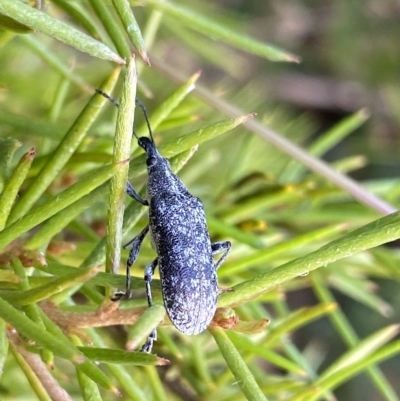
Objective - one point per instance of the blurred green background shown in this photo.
(349, 62)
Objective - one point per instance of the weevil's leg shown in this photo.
(133, 194)
(133, 254)
(217, 247)
(148, 275)
(148, 345)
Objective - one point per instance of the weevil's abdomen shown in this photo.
(188, 276)
(190, 299)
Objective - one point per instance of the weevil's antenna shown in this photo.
(138, 102)
(146, 117)
(107, 96)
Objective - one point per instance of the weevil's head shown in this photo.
(153, 157)
(161, 179)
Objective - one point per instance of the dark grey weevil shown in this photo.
(179, 234)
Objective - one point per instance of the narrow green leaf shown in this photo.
(131, 388)
(219, 227)
(349, 336)
(362, 350)
(266, 201)
(12, 25)
(22, 357)
(164, 110)
(61, 219)
(327, 141)
(97, 375)
(80, 15)
(121, 357)
(3, 345)
(65, 149)
(89, 389)
(87, 367)
(102, 279)
(148, 321)
(8, 146)
(25, 326)
(32, 310)
(13, 185)
(213, 30)
(245, 343)
(110, 23)
(237, 61)
(338, 132)
(58, 65)
(39, 214)
(261, 257)
(41, 22)
(197, 137)
(297, 319)
(360, 290)
(371, 235)
(334, 380)
(158, 386)
(238, 366)
(125, 13)
(122, 146)
(56, 285)
(39, 128)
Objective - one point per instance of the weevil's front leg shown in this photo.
(133, 254)
(133, 194)
(217, 247)
(148, 276)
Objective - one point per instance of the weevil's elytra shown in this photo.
(188, 275)
(179, 234)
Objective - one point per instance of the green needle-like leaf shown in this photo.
(59, 202)
(64, 151)
(213, 30)
(376, 233)
(238, 366)
(124, 11)
(122, 146)
(121, 357)
(8, 146)
(34, 295)
(36, 332)
(148, 321)
(41, 22)
(13, 185)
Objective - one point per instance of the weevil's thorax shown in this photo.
(161, 179)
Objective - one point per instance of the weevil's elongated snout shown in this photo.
(149, 146)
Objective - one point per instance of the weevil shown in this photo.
(180, 237)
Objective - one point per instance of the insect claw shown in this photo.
(121, 295)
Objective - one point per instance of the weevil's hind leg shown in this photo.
(148, 276)
(133, 194)
(133, 254)
(148, 345)
(217, 247)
